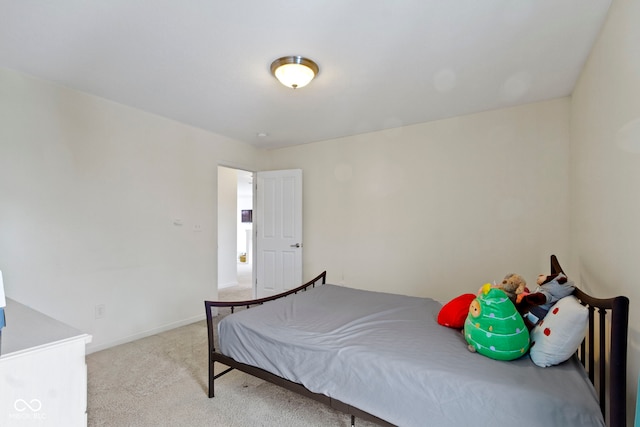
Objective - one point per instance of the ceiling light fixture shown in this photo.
(294, 71)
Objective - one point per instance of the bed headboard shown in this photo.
(607, 330)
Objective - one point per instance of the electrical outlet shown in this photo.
(101, 311)
(197, 228)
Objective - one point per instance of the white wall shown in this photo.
(89, 191)
(605, 179)
(438, 208)
(227, 227)
(245, 241)
(245, 202)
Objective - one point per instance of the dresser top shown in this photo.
(28, 329)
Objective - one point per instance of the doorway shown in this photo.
(235, 234)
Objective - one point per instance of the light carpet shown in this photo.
(161, 380)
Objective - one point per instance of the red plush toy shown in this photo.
(454, 313)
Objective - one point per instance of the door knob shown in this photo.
(297, 245)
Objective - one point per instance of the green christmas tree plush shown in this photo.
(494, 328)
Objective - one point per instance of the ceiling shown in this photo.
(383, 63)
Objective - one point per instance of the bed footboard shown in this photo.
(604, 350)
(320, 279)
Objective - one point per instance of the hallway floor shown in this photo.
(243, 290)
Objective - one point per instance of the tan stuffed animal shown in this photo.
(513, 285)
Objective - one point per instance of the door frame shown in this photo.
(255, 207)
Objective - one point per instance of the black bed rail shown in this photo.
(616, 311)
(248, 303)
(209, 305)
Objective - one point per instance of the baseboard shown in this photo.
(227, 285)
(144, 334)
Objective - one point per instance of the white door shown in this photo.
(278, 231)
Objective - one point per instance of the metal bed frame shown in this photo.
(609, 333)
(615, 313)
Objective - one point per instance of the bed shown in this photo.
(384, 358)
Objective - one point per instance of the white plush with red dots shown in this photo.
(560, 333)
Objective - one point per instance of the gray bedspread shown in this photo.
(386, 354)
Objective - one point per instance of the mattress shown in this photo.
(386, 354)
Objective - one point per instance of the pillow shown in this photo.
(454, 313)
(560, 333)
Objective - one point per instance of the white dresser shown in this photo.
(43, 373)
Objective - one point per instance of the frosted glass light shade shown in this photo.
(294, 71)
